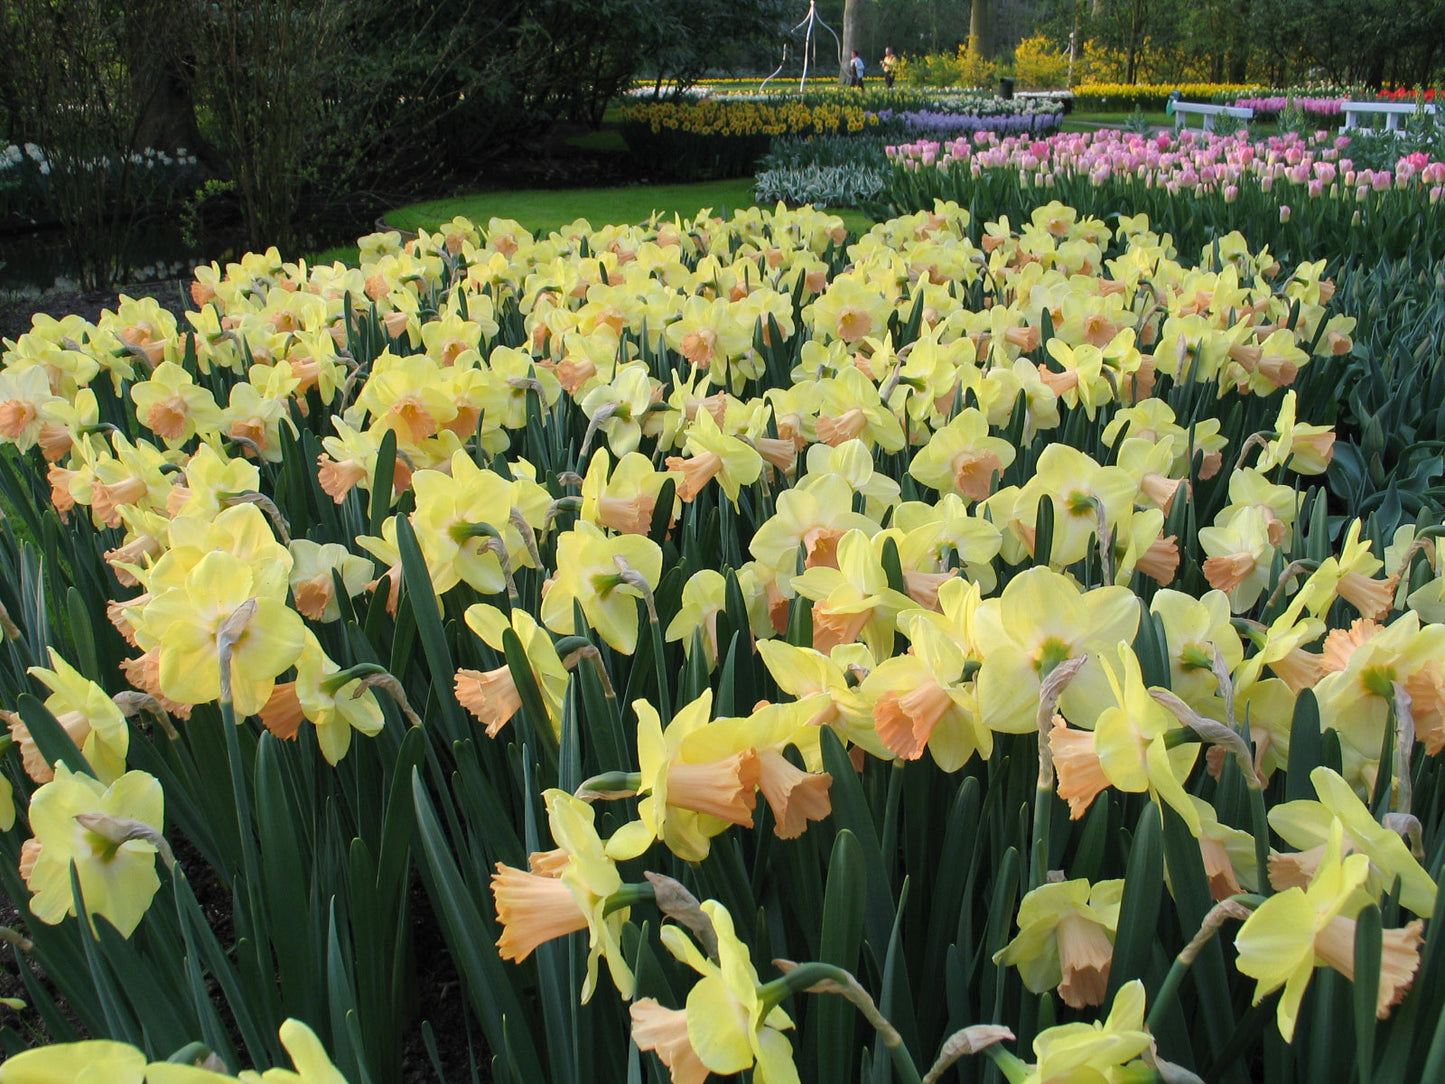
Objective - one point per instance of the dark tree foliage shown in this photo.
(301, 108)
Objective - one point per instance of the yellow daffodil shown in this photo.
(823, 683)
(86, 713)
(621, 498)
(727, 1026)
(714, 454)
(1128, 749)
(1306, 826)
(922, 700)
(1240, 556)
(117, 877)
(815, 517)
(1066, 939)
(1350, 576)
(1040, 620)
(313, 577)
(795, 796)
(492, 696)
(173, 407)
(1194, 630)
(333, 701)
(1082, 1053)
(184, 623)
(684, 803)
(566, 890)
(92, 1061)
(852, 601)
(590, 572)
(1298, 929)
(962, 458)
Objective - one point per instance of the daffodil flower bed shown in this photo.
(1299, 193)
(967, 622)
(1114, 97)
(723, 138)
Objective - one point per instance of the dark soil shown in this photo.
(16, 310)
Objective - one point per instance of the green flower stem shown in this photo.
(629, 895)
(820, 978)
(664, 691)
(1043, 824)
(1235, 907)
(334, 683)
(1011, 1065)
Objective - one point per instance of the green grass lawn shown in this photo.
(545, 209)
(1086, 122)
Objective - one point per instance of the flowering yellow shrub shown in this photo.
(1038, 64)
(1097, 62)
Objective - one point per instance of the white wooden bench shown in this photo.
(1207, 113)
(1391, 111)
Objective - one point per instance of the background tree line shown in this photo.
(1278, 42)
(303, 111)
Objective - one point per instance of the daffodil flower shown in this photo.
(1066, 939)
(923, 700)
(962, 458)
(590, 572)
(714, 454)
(566, 890)
(117, 879)
(795, 796)
(1041, 619)
(1350, 576)
(1306, 825)
(727, 1026)
(92, 1061)
(685, 803)
(1129, 748)
(625, 500)
(313, 577)
(816, 517)
(86, 713)
(828, 685)
(852, 601)
(1296, 930)
(492, 696)
(185, 623)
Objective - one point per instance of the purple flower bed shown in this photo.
(941, 125)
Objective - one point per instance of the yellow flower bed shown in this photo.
(742, 118)
(1001, 531)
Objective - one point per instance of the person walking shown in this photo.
(855, 71)
(889, 63)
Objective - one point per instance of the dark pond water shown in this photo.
(42, 260)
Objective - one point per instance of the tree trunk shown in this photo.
(852, 36)
(980, 27)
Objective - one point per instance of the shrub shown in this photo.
(1037, 65)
